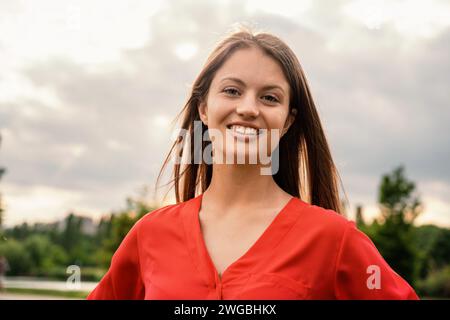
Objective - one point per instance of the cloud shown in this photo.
(95, 122)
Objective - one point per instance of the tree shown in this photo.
(2, 172)
(112, 231)
(396, 198)
(19, 259)
(71, 236)
(433, 244)
(1, 213)
(394, 234)
(440, 252)
(43, 253)
(359, 217)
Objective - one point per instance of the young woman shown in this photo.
(250, 235)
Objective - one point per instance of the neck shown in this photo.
(241, 186)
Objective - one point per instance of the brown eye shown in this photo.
(271, 98)
(231, 91)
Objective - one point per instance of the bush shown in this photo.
(19, 259)
(436, 284)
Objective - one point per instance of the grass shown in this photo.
(46, 292)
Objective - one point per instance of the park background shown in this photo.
(88, 90)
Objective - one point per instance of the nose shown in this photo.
(248, 107)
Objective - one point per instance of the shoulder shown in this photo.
(163, 214)
(321, 221)
(163, 218)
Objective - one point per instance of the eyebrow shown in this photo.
(267, 87)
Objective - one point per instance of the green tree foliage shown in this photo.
(2, 211)
(19, 260)
(44, 254)
(47, 249)
(433, 245)
(72, 233)
(359, 217)
(19, 232)
(396, 198)
(440, 251)
(393, 233)
(113, 231)
(437, 283)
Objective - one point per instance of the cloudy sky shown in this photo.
(88, 90)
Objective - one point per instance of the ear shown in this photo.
(289, 121)
(203, 112)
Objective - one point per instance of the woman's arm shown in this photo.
(123, 280)
(362, 273)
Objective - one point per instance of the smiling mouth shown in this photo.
(243, 131)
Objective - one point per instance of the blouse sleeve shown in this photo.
(123, 280)
(362, 273)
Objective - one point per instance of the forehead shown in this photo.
(254, 67)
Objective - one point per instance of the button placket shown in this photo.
(219, 289)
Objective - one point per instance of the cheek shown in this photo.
(275, 119)
(218, 111)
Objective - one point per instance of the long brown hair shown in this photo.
(306, 168)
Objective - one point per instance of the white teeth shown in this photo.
(244, 130)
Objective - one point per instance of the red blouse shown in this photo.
(307, 252)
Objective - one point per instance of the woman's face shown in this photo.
(249, 90)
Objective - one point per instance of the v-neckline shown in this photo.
(267, 237)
